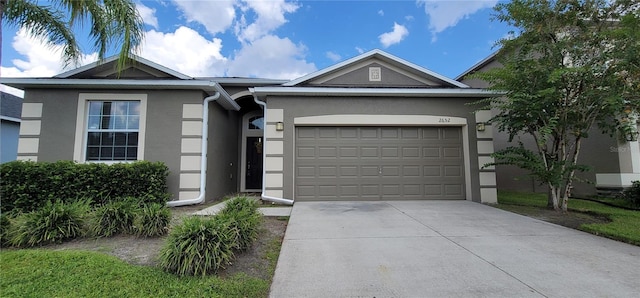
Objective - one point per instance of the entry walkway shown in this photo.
(444, 249)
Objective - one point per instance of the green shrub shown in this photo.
(114, 218)
(5, 227)
(26, 185)
(632, 194)
(244, 220)
(152, 220)
(198, 246)
(53, 223)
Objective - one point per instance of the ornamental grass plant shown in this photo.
(54, 222)
(152, 220)
(199, 246)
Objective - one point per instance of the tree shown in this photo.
(570, 66)
(112, 23)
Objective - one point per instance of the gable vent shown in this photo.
(375, 74)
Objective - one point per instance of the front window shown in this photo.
(112, 130)
(256, 123)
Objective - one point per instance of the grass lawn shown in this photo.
(50, 273)
(78, 272)
(622, 225)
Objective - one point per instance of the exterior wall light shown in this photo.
(279, 126)
(480, 126)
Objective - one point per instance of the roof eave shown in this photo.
(477, 66)
(375, 92)
(133, 57)
(210, 87)
(384, 56)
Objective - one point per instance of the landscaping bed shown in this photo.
(589, 216)
(249, 275)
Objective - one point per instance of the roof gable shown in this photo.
(375, 69)
(136, 68)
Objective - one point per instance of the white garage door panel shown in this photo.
(373, 163)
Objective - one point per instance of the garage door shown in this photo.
(378, 163)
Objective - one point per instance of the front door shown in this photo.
(253, 176)
(252, 144)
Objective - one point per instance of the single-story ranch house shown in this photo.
(372, 127)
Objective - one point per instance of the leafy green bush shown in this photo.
(26, 185)
(53, 223)
(244, 220)
(632, 194)
(114, 218)
(5, 227)
(152, 220)
(198, 246)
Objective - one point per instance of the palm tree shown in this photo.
(112, 23)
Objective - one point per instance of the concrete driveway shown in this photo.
(444, 249)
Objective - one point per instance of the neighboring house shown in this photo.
(614, 163)
(370, 128)
(10, 110)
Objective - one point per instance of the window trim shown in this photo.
(80, 145)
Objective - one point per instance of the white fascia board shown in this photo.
(245, 81)
(330, 68)
(55, 83)
(85, 67)
(385, 56)
(208, 86)
(12, 119)
(135, 58)
(477, 66)
(397, 92)
(228, 102)
(422, 70)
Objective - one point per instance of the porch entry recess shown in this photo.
(379, 163)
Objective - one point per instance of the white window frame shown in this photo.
(80, 145)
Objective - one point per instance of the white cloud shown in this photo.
(397, 35)
(271, 57)
(359, 50)
(269, 16)
(147, 14)
(381, 12)
(445, 14)
(216, 16)
(251, 20)
(41, 60)
(333, 56)
(185, 51)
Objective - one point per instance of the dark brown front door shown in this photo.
(254, 163)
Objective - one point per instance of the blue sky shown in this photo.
(287, 39)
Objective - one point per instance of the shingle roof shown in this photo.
(10, 106)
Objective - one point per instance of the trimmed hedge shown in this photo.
(26, 186)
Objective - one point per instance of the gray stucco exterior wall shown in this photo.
(57, 132)
(315, 106)
(163, 125)
(222, 156)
